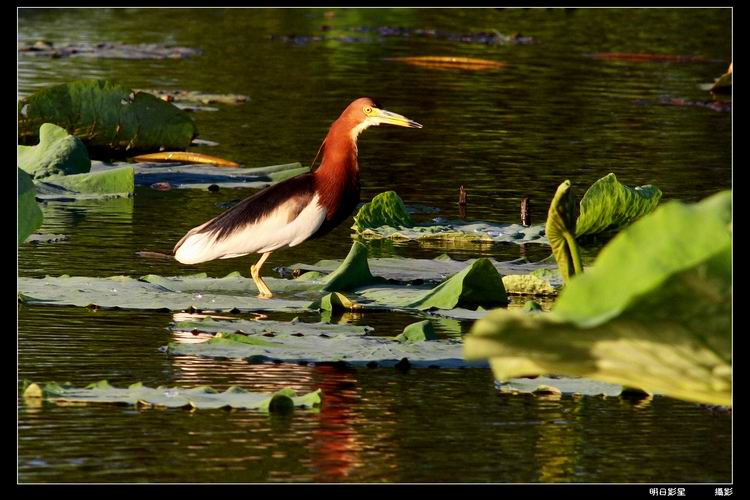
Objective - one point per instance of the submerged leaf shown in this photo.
(174, 397)
(58, 153)
(653, 313)
(107, 117)
(609, 205)
(29, 214)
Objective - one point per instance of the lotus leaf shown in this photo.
(385, 209)
(107, 117)
(271, 329)
(29, 214)
(386, 216)
(653, 313)
(45, 238)
(353, 272)
(560, 385)
(417, 332)
(174, 397)
(202, 176)
(118, 182)
(561, 230)
(297, 342)
(405, 270)
(128, 293)
(58, 153)
(479, 284)
(609, 205)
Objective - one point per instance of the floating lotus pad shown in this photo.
(653, 313)
(174, 397)
(281, 329)
(519, 276)
(297, 342)
(45, 238)
(198, 176)
(129, 293)
(107, 50)
(478, 284)
(115, 183)
(460, 232)
(559, 386)
(386, 217)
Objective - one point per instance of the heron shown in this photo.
(300, 208)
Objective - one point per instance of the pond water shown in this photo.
(554, 112)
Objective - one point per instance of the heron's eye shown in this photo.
(367, 110)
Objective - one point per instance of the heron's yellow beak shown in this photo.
(383, 116)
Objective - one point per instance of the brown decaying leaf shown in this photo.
(450, 62)
(639, 57)
(185, 157)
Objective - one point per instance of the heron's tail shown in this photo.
(195, 247)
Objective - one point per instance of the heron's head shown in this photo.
(365, 112)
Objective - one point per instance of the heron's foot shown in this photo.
(263, 291)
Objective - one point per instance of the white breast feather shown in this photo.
(265, 235)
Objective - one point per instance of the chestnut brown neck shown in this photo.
(338, 175)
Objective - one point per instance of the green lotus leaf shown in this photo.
(110, 119)
(298, 342)
(29, 214)
(353, 272)
(58, 153)
(609, 206)
(385, 209)
(129, 293)
(652, 313)
(201, 176)
(417, 332)
(174, 397)
(407, 270)
(386, 217)
(561, 229)
(115, 182)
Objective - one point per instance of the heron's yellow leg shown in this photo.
(263, 291)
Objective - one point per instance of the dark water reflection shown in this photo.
(553, 113)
